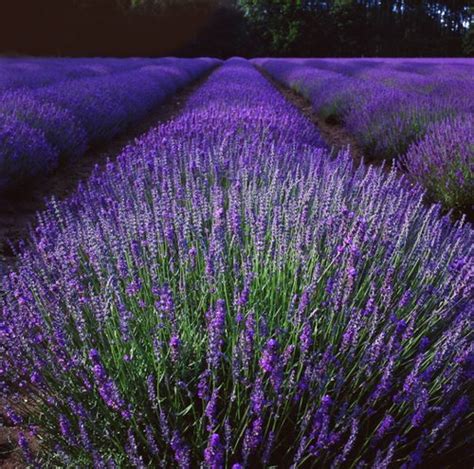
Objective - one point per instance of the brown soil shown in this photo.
(18, 207)
(9, 455)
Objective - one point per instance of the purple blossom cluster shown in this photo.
(57, 121)
(229, 293)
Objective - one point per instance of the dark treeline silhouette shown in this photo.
(224, 28)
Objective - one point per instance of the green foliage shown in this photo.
(278, 22)
(357, 27)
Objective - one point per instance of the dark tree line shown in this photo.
(237, 27)
(360, 27)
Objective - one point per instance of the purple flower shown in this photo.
(243, 298)
(131, 449)
(424, 344)
(181, 451)
(268, 448)
(215, 333)
(349, 444)
(151, 388)
(306, 340)
(257, 397)
(211, 410)
(175, 345)
(107, 388)
(203, 385)
(252, 438)
(124, 322)
(214, 453)
(268, 360)
(150, 438)
(385, 426)
(442, 161)
(25, 449)
(134, 287)
(326, 401)
(247, 340)
(66, 431)
(421, 408)
(271, 363)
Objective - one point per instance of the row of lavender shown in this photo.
(227, 294)
(448, 68)
(33, 72)
(420, 112)
(41, 127)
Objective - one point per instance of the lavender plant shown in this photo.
(59, 126)
(18, 142)
(443, 161)
(228, 295)
(388, 120)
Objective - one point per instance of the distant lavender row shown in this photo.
(228, 295)
(389, 110)
(41, 127)
(445, 68)
(385, 116)
(34, 72)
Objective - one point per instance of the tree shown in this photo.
(277, 22)
(358, 27)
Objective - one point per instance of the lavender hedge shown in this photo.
(226, 294)
(443, 162)
(65, 118)
(33, 73)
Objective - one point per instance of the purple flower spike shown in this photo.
(215, 330)
(214, 453)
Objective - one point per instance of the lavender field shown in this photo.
(234, 290)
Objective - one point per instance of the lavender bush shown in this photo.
(60, 127)
(443, 162)
(72, 114)
(18, 141)
(386, 121)
(228, 295)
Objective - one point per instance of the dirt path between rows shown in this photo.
(18, 208)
